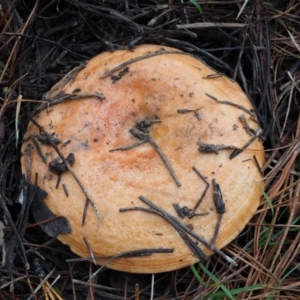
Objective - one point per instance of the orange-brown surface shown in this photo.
(153, 87)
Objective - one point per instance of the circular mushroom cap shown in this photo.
(146, 124)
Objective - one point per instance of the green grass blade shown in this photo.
(197, 275)
(197, 5)
(242, 8)
(267, 199)
(270, 296)
(216, 280)
(221, 295)
(273, 239)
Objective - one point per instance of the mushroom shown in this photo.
(158, 169)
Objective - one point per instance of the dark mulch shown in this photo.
(41, 41)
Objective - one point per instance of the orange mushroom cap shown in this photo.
(147, 124)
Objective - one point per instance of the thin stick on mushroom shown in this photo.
(205, 190)
(212, 148)
(127, 254)
(177, 224)
(258, 166)
(38, 149)
(62, 97)
(249, 130)
(50, 141)
(185, 211)
(133, 60)
(251, 113)
(90, 250)
(190, 243)
(141, 133)
(195, 111)
(165, 160)
(65, 189)
(236, 151)
(220, 207)
(129, 147)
